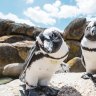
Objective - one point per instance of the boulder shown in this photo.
(8, 54)
(23, 48)
(76, 65)
(8, 27)
(13, 70)
(74, 50)
(13, 53)
(13, 39)
(75, 29)
(69, 84)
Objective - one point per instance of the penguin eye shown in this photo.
(54, 36)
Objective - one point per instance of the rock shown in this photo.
(1, 70)
(70, 84)
(76, 65)
(8, 27)
(74, 50)
(23, 48)
(13, 53)
(68, 91)
(73, 34)
(75, 30)
(5, 80)
(8, 54)
(35, 32)
(14, 38)
(13, 70)
(10, 89)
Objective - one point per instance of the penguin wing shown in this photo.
(27, 62)
(83, 61)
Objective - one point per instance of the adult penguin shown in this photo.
(50, 51)
(88, 45)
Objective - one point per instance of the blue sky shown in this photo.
(47, 13)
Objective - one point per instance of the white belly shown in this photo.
(89, 56)
(90, 60)
(41, 71)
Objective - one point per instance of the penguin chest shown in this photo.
(90, 59)
(44, 67)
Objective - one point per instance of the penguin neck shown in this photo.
(87, 43)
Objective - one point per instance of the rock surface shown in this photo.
(76, 65)
(70, 84)
(5, 80)
(75, 29)
(8, 27)
(13, 53)
(74, 49)
(13, 70)
(73, 34)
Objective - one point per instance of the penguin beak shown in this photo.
(48, 45)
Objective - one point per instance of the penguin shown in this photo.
(50, 51)
(88, 46)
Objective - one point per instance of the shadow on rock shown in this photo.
(68, 91)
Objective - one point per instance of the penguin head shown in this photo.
(50, 40)
(90, 31)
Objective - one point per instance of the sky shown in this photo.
(47, 13)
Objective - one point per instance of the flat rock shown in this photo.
(70, 84)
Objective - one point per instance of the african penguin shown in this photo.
(51, 52)
(88, 46)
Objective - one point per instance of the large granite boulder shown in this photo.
(75, 29)
(8, 27)
(13, 53)
(69, 84)
(8, 54)
(73, 34)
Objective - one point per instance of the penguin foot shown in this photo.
(49, 91)
(31, 92)
(86, 76)
(89, 76)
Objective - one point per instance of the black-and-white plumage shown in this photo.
(88, 45)
(50, 52)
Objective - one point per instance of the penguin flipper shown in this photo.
(83, 61)
(27, 62)
(85, 76)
